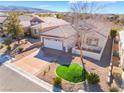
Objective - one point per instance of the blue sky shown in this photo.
(111, 7)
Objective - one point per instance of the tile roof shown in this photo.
(50, 22)
(25, 20)
(2, 19)
(94, 25)
(61, 31)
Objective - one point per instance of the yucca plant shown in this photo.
(114, 89)
(93, 78)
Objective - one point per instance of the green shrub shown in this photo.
(20, 49)
(114, 89)
(8, 47)
(93, 78)
(57, 81)
(113, 32)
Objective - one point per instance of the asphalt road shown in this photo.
(13, 82)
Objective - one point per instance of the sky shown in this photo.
(64, 6)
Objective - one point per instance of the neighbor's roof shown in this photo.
(61, 31)
(101, 27)
(50, 22)
(2, 19)
(3, 14)
(25, 20)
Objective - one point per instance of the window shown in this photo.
(36, 31)
(92, 41)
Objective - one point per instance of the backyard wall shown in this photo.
(93, 55)
(89, 54)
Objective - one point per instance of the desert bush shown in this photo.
(93, 78)
(114, 89)
(20, 49)
(8, 47)
(57, 81)
(116, 73)
(113, 32)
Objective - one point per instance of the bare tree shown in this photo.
(79, 10)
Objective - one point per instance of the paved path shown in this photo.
(12, 81)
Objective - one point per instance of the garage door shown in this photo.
(53, 43)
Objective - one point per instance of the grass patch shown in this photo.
(72, 73)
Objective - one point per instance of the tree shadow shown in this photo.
(93, 88)
(57, 88)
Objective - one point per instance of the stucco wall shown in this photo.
(93, 55)
(101, 42)
(89, 54)
(70, 41)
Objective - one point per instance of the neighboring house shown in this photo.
(41, 24)
(3, 21)
(121, 48)
(25, 22)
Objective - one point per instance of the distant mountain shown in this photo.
(23, 9)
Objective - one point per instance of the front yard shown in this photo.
(36, 65)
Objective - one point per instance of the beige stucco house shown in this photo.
(61, 35)
(94, 37)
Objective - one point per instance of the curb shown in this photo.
(33, 78)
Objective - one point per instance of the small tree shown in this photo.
(14, 27)
(93, 78)
(113, 33)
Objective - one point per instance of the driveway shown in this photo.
(31, 64)
(14, 82)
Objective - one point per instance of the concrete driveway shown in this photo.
(13, 82)
(31, 64)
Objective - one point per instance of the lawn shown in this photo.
(72, 73)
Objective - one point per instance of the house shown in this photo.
(61, 38)
(94, 37)
(41, 24)
(121, 48)
(61, 35)
(25, 22)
